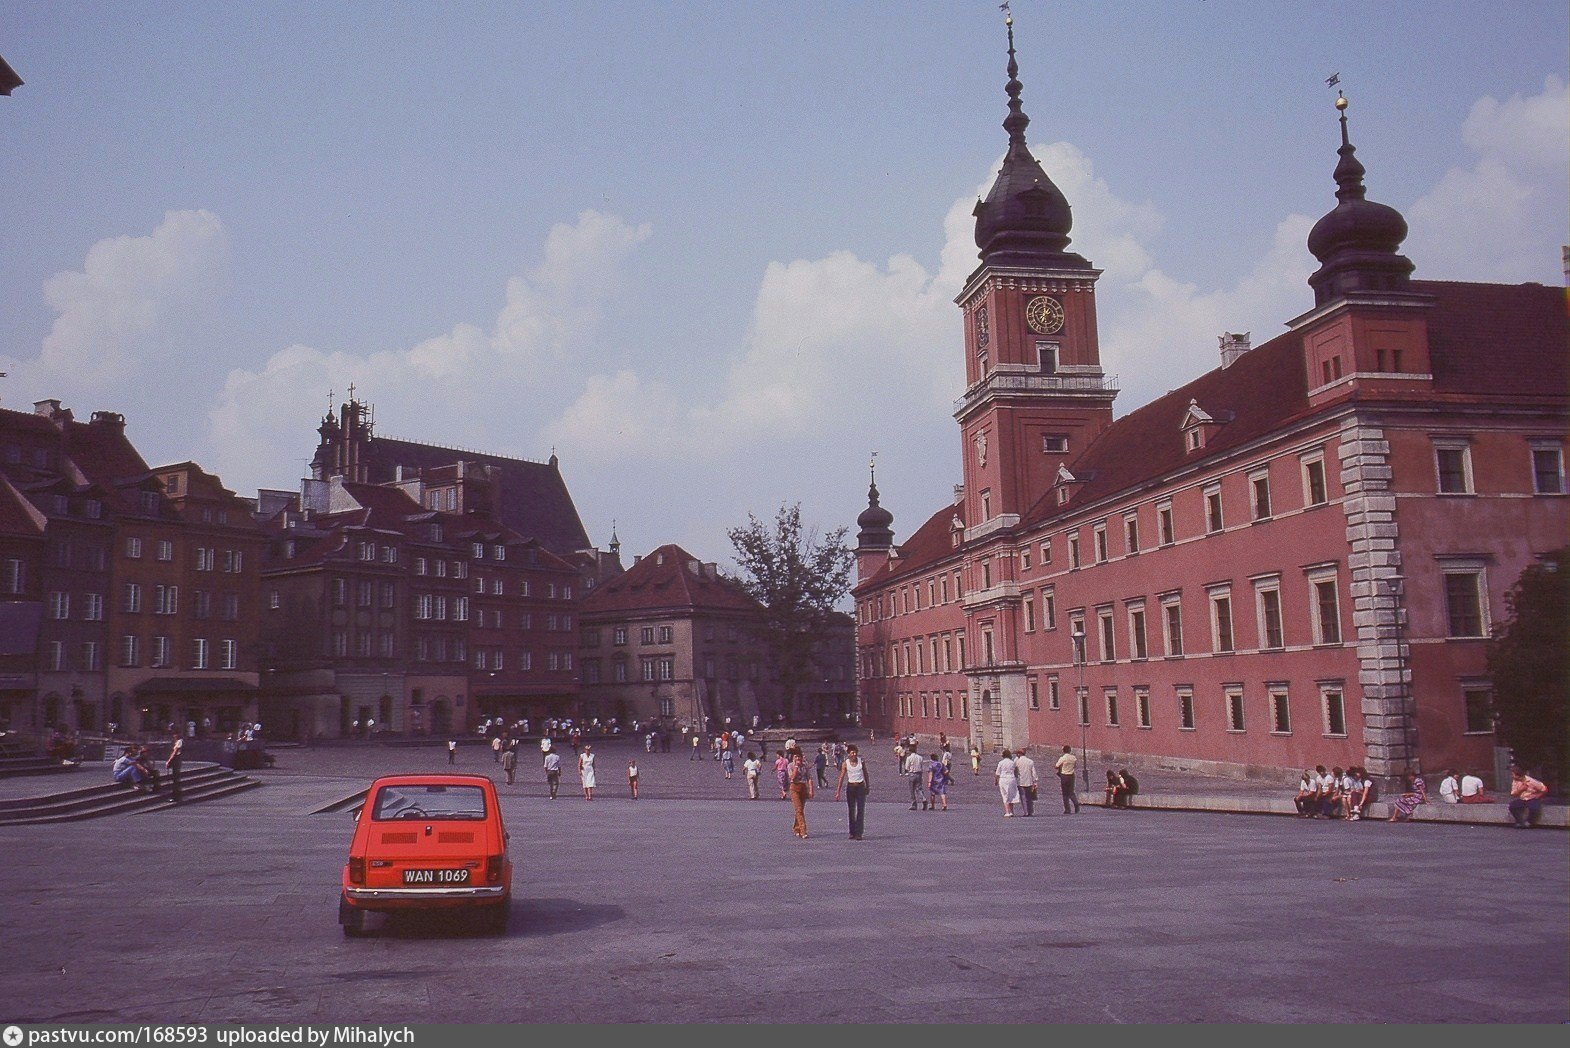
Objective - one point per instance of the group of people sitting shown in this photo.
(1456, 788)
(137, 769)
(1334, 794)
(1122, 787)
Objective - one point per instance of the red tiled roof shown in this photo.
(385, 507)
(665, 579)
(1499, 339)
(18, 516)
(931, 543)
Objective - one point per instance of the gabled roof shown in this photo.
(670, 577)
(534, 498)
(19, 518)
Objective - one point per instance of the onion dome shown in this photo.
(1025, 219)
(875, 522)
(1356, 242)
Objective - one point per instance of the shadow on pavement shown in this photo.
(530, 918)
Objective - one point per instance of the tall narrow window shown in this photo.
(1335, 712)
(1221, 620)
(1112, 707)
(1172, 626)
(1131, 533)
(1107, 630)
(1548, 469)
(1259, 491)
(1142, 706)
(1185, 697)
(1269, 599)
(1280, 712)
(1101, 543)
(1164, 523)
(1314, 492)
(1453, 463)
(1327, 612)
(1136, 632)
(1464, 604)
(1479, 710)
(1234, 698)
(1214, 521)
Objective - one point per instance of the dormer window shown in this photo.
(1197, 425)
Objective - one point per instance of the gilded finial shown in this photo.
(1341, 102)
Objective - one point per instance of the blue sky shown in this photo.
(707, 251)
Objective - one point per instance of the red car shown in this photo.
(428, 842)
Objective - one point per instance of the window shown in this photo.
(499, 552)
(1164, 523)
(165, 550)
(1136, 632)
(59, 605)
(89, 655)
(1112, 707)
(1046, 551)
(1548, 469)
(1073, 550)
(1327, 611)
(1221, 621)
(1035, 695)
(1314, 491)
(1479, 706)
(1259, 494)
(422, 606)
(1107, 630)
(1464, 604)
(364, 593)
(1453, 462)
(1024, 565)
(1054, 443)
(199, 653)
(1213, 518)
(93, 607)
(421, 567)
(460, 609)
(1185, 697)
(202, 606)
(1049, 609)
(56, 657)
(1142, 706)
(441, 569)
(1172, 625)
(1100, 532)
(647, 667)
(1084, 706)
(389, 594)
(1234, 697)
(667, 667)
(204, 559)
(228, 655)
(1054, 700)
(14, 578)
(340, 592)
(133, 597)
(130, 650)
(1335, 712)
(1268, 596)
(986, 504)
(1029, 609)
(619, 635)
(1131, 533)
(665, 634)
(1280, 712)
(234, 561)
(647, 635)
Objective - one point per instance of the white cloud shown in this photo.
(135, 301)
(1486, 222)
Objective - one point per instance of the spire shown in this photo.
(1357, 241)
(1025, 219)
(875, 521)
(615, 542)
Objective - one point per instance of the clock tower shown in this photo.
(1035, 394)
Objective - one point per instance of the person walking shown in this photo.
(800, 792)
(1007, 778)
(782, 774)
(751, 768)
(1065, 769)
(820, 764)
(912, 770)
(937, 783)
(632, 778)
(694, 747)
(496, 749)
(855, 783)
(510, 763)
(452, 751)
(975, 759)
(728, 762)
(1025, 768)
(176, 758)
(586, 772)
(553, 771)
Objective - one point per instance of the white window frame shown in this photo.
(1556, 449)
(1262, 586)
(1316, 458)
(1317, 578)
(1279, 698)
(1464, 446)
(1326, 693)
(1260, 508)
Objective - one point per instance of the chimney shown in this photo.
(111, 420)
(959, 493)
(1232, 347)
(637, 558)
(712, 570)
(51, 410)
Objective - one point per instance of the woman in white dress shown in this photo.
(586, 772)
(1007, 778)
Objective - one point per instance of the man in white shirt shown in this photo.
(1450, 788)
(553, 772)
(1025, 769)
(752, 767)
(912, 768)
(1065, 769)
(1472, 790)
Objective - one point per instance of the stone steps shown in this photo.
(202, 782)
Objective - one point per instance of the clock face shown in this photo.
(1044, 314)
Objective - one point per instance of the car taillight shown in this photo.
(357, 871)
(493, 869)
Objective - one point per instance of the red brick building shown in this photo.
(1294, 559)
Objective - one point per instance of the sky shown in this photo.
(706, 252)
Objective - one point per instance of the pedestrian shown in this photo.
(800, 791)
(751, 768)
(937, 784)
(899, 755)
(632, 778)
(1414, 791)
(975, 759)
(586, 771)
(694, 747)
(496, 748)
(728, 762)
(1007, 778)
(854, 781)
(943, 742)
(452, 751)
(510, 763)
(782, 774)
(176, 758)
(1025, 769)
(912, 770)
(553, 771)
(1065, 769)
(820, 763)
(1526, 798)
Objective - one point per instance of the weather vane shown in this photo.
(1008, 15)
(1332, 80)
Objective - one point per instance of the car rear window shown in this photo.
(429, 802)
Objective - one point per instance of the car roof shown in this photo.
(432, 780)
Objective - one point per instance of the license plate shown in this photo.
(435, 878)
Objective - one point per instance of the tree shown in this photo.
(798, 578)
(1527, 662)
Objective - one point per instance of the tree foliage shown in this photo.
(798, 577)
(1529, 662)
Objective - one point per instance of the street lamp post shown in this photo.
(1082, 708)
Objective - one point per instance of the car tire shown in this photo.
(353, 920)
